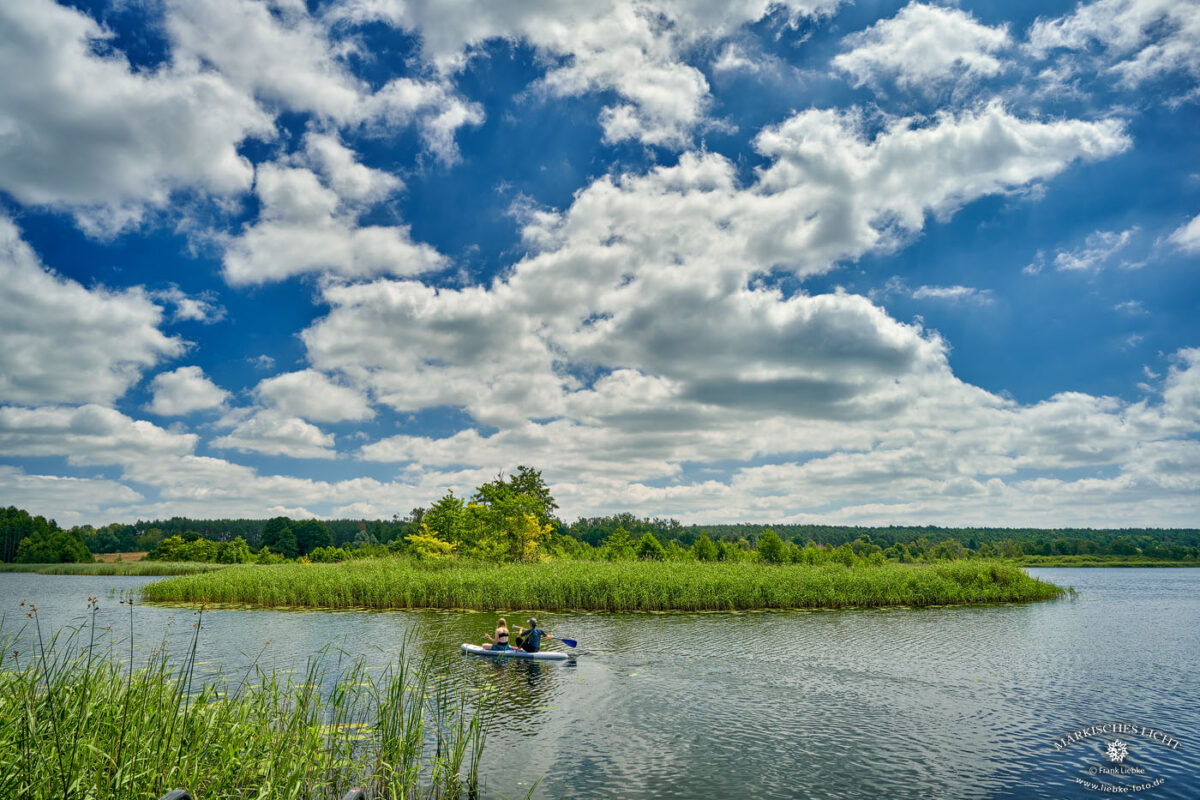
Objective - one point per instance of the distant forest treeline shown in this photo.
(1175, 544)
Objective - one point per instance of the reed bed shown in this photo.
(150, 568)
(604, 586)
(77, 723)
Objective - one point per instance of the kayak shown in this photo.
(476, 650)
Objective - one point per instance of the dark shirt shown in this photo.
(531, 640)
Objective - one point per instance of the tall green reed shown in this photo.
(605, 586)
(77, 723)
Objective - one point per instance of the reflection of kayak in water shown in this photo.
(476, 650)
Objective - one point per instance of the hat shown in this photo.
(532, 622)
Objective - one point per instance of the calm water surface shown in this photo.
(939, 703)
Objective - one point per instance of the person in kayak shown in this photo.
(530, 639)
(500, 641)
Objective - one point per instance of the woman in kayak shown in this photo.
(500, 641)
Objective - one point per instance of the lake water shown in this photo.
(905, 703)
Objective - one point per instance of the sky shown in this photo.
(802, 261)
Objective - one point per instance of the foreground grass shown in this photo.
(1099, 561)
(604, 586)
(85, 726)
(116, 568)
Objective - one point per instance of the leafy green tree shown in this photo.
(506, 527)
(1123, 547)
(265, 556)
(16, 525)
(704, 549)
(1007, 548)
(235, 552)
(677, 552)
(285, 544)
(426, 544)
(446, 519)
(148, 540)
(948, 550)
(844, 555)
(383, 533)
(311, 534)
(619, 545)
(365, 539)
(649, 548)
(771, 548)
(52, 546)
(272, 530)
(812, 554)
(328, 555)
(526, 482)
(529, 482)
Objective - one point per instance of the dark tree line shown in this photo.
(37, 540)
(292, 538)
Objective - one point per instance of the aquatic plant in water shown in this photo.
(76, 722)
(606, 586)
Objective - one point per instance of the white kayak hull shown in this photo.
(476, 650)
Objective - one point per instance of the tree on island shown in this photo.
(703, 548)
(619, 545)
(648, 548)
(507, 519)
(771, 548)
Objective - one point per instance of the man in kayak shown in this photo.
(530, 639)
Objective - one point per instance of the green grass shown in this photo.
(604, 586)
(116, 568)
(1099, 561)
(83, 725)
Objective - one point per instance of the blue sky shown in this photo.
(804, 261)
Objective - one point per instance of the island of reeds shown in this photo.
(560, 585)
(79, 718)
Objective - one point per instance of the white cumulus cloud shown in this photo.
(85, 132)
(1187, 236)
(272, 433)
(280, 53)
(1140, 39)
(609, 327)
(64, 343)
(88, 434)
(634, 48)
(304, 225)
(924, 45)
(1096, 251)
(183, 391)
(313, 396)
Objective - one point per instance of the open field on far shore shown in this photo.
(109, 558)
(391, 583)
